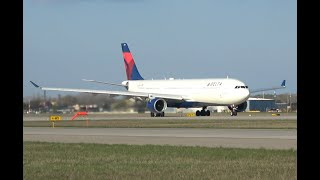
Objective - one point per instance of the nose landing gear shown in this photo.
(233, 109)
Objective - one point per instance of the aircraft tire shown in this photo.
(203, 112)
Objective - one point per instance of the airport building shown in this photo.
(260, 104)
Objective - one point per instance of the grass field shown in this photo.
(170, 123)
(97, 161)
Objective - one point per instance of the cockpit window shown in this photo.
(243, 87)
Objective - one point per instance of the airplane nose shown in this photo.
(246, 94)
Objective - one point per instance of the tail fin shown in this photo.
(130, 65)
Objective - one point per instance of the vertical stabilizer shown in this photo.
(130, 65)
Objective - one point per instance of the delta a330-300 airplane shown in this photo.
(179, 93)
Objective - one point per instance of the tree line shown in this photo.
(85, 101)
(116, 103)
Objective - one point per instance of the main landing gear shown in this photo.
(157, 114)
(203, 112)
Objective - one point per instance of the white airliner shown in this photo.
(179, 93)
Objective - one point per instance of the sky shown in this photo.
(64, 41)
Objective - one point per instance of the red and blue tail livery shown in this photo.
(130, 65)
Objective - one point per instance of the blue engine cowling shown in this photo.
(157, 105)
(240, 107)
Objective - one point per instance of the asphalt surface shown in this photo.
(239, 138)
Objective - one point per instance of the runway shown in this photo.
(238, 138)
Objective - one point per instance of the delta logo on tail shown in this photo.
(130, 65)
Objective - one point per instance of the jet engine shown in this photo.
(157, 105)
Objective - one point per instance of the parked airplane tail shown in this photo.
(130, 65)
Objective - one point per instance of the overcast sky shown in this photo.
(65, 41)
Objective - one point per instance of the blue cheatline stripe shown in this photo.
(125, 47)
(135, 74)
(184, 104)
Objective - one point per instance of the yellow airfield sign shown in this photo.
(55, 118)
(191, 114)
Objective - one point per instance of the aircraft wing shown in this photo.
(121, 93)
(283, 85)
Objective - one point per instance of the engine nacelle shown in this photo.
(241, 107)
(157, 105)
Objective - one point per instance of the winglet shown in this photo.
(283, 84)
(35, 85)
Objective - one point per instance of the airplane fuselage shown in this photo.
(222, 91)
